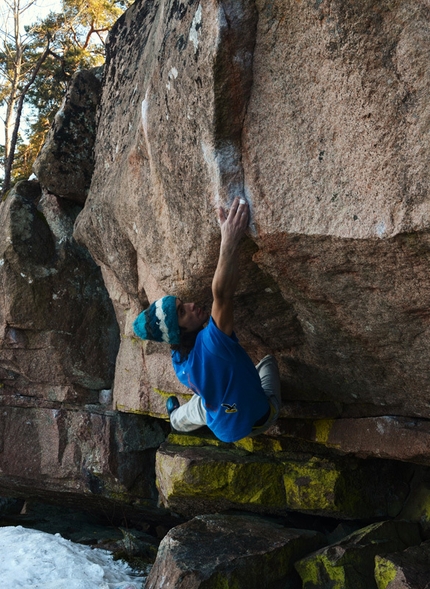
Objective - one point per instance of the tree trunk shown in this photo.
(14, 138)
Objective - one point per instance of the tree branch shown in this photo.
(11, 156)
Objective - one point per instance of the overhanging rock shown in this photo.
(317, 113)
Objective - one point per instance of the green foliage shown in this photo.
(56, 47)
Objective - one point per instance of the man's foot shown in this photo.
(172, 403)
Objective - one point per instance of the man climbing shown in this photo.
(232, 397)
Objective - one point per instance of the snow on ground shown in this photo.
(30, 559)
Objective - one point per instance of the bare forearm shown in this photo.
(226, 275)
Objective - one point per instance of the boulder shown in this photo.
(404, 570)
(387, 436)
(65, 163)
(316, 113)
(206, 476)
(417, 505)
(58, 332)
(350, 563)
(88, 455)
(217, 550)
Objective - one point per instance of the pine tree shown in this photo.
(37, 65)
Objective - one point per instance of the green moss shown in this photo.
(318, 571)
(193, 441)
(218, 474)
(167, 394)
(311, 485)
(323, 428)
(262, 444)
(126, 409)
(259, 444)
(385, 572)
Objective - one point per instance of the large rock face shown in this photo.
(58, 343)
(58, 333)
(317, 113)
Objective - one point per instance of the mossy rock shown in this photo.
(349, 564)
(206, 479)
(402, 570)
(199, 474)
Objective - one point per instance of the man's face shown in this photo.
(190, 317)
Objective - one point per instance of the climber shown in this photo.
(232, 397)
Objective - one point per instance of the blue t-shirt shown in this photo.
(221, 372)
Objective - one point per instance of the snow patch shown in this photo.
(43, 561)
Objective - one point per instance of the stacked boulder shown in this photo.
(317, 114)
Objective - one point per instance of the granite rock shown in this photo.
(350, 563)
(316, 113)
(58, 332)
(198, 475)
(85, 455)
(230, 551)
(65, 163)
(404, 570)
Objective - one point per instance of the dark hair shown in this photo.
(188, 339)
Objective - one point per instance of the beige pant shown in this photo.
(192, 415)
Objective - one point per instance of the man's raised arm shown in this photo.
(224, 283)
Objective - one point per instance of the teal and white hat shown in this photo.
(159, 322)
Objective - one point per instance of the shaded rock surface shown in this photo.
(58, 333)
(90, 454)
(230, 551)
(417, 505)
(350, 563)
(404, 570)
(65, 164)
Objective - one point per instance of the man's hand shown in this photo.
(224, 283)
(234, 225)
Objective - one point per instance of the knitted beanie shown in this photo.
(159, 322)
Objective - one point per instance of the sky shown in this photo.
(40, 8)
(37, 560)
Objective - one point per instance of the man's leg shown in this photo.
(268, 372)
(189, 416)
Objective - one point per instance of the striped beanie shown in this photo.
(159, 322)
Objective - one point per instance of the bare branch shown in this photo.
(11, 155)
